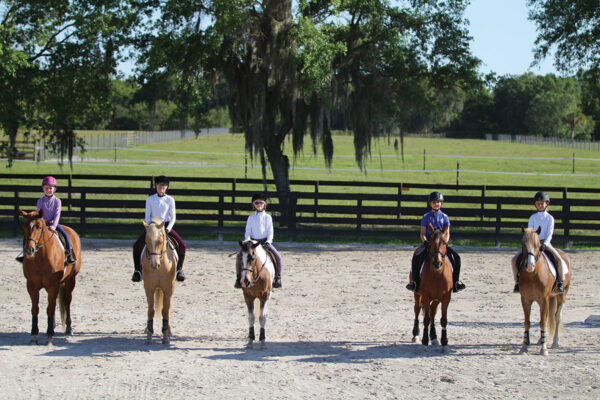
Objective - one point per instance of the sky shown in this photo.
(503, 37)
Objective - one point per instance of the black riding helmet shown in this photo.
(541, 196)
(435, 196)
(259, 196)
(161, 179)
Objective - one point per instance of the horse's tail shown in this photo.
(158, 302)
(551, 328)
(62, 304)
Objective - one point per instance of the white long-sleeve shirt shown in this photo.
(544, 220)
(162, 207)
(259, 226)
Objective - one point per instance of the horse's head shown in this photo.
(531, 246)
(156, 241)
(249, 249)
(438, 243)
(34, 229)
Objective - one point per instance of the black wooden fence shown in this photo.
(355, 210)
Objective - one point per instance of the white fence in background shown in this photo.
(548, 141)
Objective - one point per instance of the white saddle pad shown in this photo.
(553, 268)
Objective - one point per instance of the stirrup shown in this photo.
(277, 282)
(516, 288)
(412, 287)
(560, 288)
(20, 258)
(238, 284)
(458, 286)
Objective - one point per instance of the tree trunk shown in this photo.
(280, 166)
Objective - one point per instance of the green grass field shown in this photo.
(480, 162)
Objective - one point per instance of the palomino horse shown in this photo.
(44, 267)
(535, 284)
(435, 287)
(158, 271)
(257, 279)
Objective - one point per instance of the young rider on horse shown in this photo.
(52, 208)
(159, 205)
(439, 220)
(542, 219)
(259, 226)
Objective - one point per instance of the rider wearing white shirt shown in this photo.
(542, 219)
(259, 226)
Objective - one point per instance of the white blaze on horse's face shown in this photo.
(531, 245)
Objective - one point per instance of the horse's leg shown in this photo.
(66, 304)
(417, 310)
(263, 320)
(426, 320)
(166, 327)
(543, 318)
(526, 323)
(250, 305)
(34, 294)
(50, 310)
(150, 324)
(560, 299)
(444, 320)
(432, 331)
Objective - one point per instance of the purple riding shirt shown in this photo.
(51, 206)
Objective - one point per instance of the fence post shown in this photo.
(424, 160)
(316, 213)
(566, 219)
(16, 216)
(291, 223)
(82, 215)
(70, 191)
(399, 203)
(498, 222)
(233, 189)
(358, 219)
(220, 221)
(482, 203)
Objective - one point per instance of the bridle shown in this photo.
(437, 251)
(37, 243)
(163, 251)
(250, 260)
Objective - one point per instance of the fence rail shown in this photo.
(323, 208)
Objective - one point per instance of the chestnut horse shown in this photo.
(435, 288)
(158, 271)
(44, 268)
(535, 284)
(257, 280)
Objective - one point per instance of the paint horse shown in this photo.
(44, 268)
(536, 282)
(435, 288)
(158, 270)
(257, 280)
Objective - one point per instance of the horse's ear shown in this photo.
(539, 230)
(145, 224)
(23, 213)
(431, 228)
(41, 213)
(162, 225)
(522, 229)
(241, 243)
(445, 231)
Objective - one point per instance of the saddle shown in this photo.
(271, 256)
(522, 260)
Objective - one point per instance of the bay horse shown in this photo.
(536, 283)
(158, 272)
(257, 280)
(435, 288)
(44, 268)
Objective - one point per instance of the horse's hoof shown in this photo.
(34, 340)
(249, 345)
(435, 342)
(68, 332)
(414, 339)
(544, 352)
(262, 345)
(166, 341)
(524, 351)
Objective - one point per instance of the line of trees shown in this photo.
(284, 68)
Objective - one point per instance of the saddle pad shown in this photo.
(170, 245)
(423, 266)
(553, 268)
